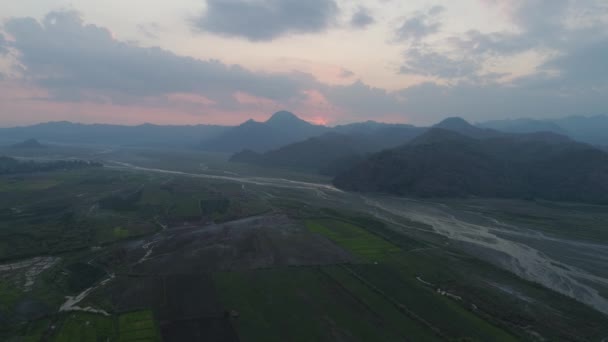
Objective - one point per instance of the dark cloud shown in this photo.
(362, 18)
(72, 60)
(264, 20)
(420, 25)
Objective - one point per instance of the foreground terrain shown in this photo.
(161, 245)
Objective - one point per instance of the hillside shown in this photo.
(281, 129)
(591, 129)
(444, 163)
(331, 152)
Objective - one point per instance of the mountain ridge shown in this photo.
(446, 163)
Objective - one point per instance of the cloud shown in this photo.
(430, 63)
(363, 101)
(430, 102)
(583, 65)
(3, 45)
(265, 20)
(362, 18)
(150, 30)
(345, 73)
(78, 62)
(570, 39)
(420, 26)
(81, 63)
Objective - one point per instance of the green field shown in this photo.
(138, 326)
(88, 327)
(359, 241)
(305, 304)
(393, 317)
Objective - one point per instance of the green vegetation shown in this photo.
(455, 159)
(35, 331)
(85, 327)
(355, 239)
(9, 295)
(446, 315)
(82, 276)
(393, 316)
(138, 326)
(297, 271)
(301, 304)
(10, 166)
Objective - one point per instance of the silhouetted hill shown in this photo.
(463, 127)
(523, 126)
(29, 144)
(444, 163)
(368, 127)
(331, 152)
(281, 129)
(591, 130)
(101, 134)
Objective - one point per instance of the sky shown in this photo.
(328, 61)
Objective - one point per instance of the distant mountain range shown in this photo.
(281, 129)
(116, 135)
(592, 130)
(456, 159)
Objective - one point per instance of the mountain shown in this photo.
(461, 126)
(446, 163)
(591, 130)
(331, 152)
(100, 134)
(281, 129)
(29, 144)
(523, 126)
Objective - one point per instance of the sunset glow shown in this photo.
(413, 62)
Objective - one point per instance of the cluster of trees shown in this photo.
(10, 166)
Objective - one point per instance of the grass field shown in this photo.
(359, 241)
(392, 317)
(88, 327)
(83, 327)
(445, 314)
(138, 326)
(304, 304)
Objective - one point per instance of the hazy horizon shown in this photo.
(263, 119)
(328, 61)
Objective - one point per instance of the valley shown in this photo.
(206, 252)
